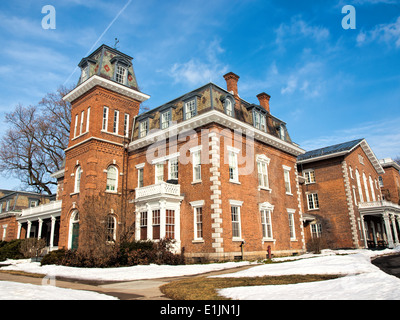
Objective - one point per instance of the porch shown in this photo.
(42, 222)
(380, 223)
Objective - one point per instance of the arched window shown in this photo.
(229, 107)
(112, 179)
(111, 230)
(78, 174)
(74, 231)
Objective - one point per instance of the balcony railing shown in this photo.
(161, 189)
(42, 209)
(378, 204)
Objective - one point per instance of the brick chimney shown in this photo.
(264, 100)
(231, 82)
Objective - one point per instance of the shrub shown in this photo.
(32, 247)
(11, 250)
(53, 257)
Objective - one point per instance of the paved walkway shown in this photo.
(127, 290)
(389, 264)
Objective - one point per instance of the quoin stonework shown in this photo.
(219, 175)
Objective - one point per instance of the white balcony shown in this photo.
(378, 207)
(158, 191)
(42, 211)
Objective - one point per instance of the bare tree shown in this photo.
(33, 147)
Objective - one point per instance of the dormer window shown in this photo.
(120, 74)
(259, 121)
(229, 107)
(85, 73)
(190, 109)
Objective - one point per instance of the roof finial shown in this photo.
(115, 44)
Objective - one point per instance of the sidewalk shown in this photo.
(126, 290)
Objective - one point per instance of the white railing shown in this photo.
(43, 208)
(378, 204)
(162, 188)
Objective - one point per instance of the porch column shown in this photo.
(137, 224)
(162, 218)
(149, 222)
(396, 238)
(19, 230)
(40, 228)
(53, 224)
(388, 230)
(363, 231)
(28, 230)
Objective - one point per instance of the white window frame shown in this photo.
(233, 164)
(190, 109)
(366, 187)
(354, 195)
(165, 119)
(78, 175)
(82, 117)
(236, 205)
(140, 169)
(88, 120)
(292, 226)
(351, 172)
(116, 121)
(266, 224)
(371, 184)
(198, 205)
(316, 230)
(173, 169)
(143, 128)
(260, 121)
(360, 193)
(113, 228)
(158, 173)
(309, 175)
(263, 177)
(120, 74)
(126, 125)
(105, 118)
(314, 200)
(76, 125)
(196, 163)
(286, 179)
(112, 187)
(229, 107)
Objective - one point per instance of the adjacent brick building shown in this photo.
(342, 199)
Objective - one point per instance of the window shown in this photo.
(236, 228)
(105, 118)
(316, 230)
(262, 174)
(233, 167)
(312, 200)
(78, 173)
(229, 107)
(85, 73)
(366, 187)
(88, 119)
(165, 119)
(76, 125)
(371, 184)
(259, 121)
(143, 129)
(112, 177)
(359, 186)
(140, 178)
(159, 173)
(310, 176)
(8, 205)
(291, 226)
(266, 224)
(111, 234)
(126, 125)
(1, 207)
(361, 159)
(143, 225)
(170, 224)
(190, 109)
(156, 224)
(354, 195)
(196, 166)
(120, 74)
(380, 181)
(116, 121)
(351, 172)
(198, 225)
(33, 203)
(282, 132)
(173, 169)
(286, 176)
(82, 116)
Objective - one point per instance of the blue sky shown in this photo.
(328, 84)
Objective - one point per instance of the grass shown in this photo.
(204, 288)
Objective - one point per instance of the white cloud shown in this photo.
(197, 72)
(388, 33)
(383, 137)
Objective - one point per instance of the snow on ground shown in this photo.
(140, 272)
(361, 281)
(24, 291)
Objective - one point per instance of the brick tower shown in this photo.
(104, 105)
